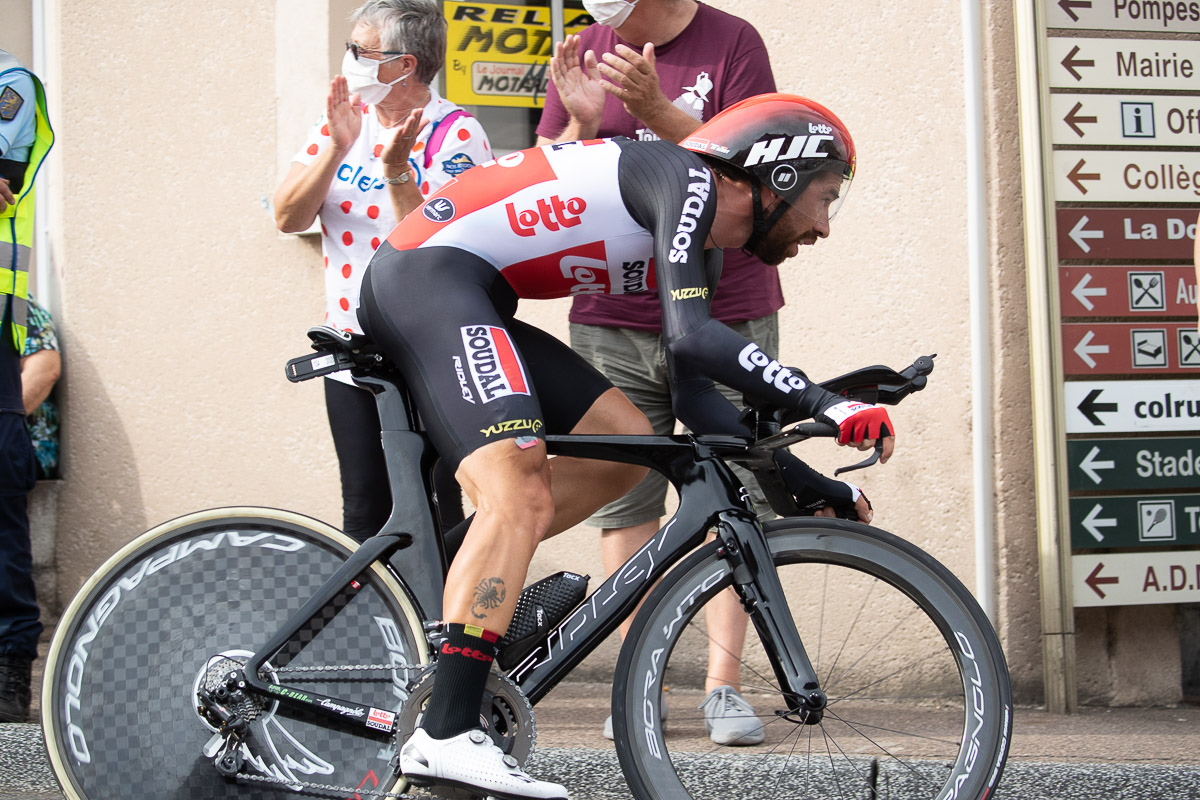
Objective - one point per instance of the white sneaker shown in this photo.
(471, 760)
(730, 720)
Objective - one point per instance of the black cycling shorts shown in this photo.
(445, 318)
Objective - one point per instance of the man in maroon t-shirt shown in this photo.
(664, 67)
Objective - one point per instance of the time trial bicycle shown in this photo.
(257, 653)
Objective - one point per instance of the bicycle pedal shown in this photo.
(541, 607)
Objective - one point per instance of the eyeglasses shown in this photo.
(359, 51)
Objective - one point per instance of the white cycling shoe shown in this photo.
(471, 760)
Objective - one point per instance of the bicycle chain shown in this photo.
(343, 791)
(349, 668)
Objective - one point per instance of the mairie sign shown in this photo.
(1134, 464)
(1135, 521)
(1132, 406)
(1128, 579)
(1124, 64)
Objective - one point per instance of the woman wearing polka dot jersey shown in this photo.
(385, 142)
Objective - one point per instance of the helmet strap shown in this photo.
(762, 221)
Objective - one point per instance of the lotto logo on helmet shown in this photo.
(439, 209)
(493, 363)
(819, 127)
(752, 360)
(768, 150)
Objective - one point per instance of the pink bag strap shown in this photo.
(440, 129)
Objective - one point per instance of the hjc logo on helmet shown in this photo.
(764, 152)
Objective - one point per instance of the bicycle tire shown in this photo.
(118, 701)
(920, 704)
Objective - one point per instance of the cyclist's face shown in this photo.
(804, 223)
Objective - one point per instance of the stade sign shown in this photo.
(1122, 156)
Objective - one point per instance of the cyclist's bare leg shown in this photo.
(509, 486)
(582, 485)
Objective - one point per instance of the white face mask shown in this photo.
(612, 13)
(362, 76)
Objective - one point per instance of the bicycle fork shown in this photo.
(744, 545)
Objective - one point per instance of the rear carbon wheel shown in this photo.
(919, 702)
(178, 608)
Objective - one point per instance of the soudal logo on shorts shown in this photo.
(493, 363)
(752, 360)
(555, 213)
(766, 151)
(439, 209)
(381, 720)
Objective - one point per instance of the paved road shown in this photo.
(1105, 754)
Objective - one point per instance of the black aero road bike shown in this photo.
(257, 653)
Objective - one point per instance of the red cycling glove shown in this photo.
(858, 421)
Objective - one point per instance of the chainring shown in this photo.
(506, 714)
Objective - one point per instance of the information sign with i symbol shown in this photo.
(1137, 120)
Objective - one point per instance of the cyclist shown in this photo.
(607, 215)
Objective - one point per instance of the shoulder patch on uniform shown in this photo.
(458, 164)
(10, 103)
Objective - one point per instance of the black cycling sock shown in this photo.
(462, 670)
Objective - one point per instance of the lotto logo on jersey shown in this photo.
(752, 359)
(764, 152)
(553, 213)
(493, 363)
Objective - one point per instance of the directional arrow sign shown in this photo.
(1127, 233)
(1116, 176)
(1092, 466)
(1119, 16)
(1093, 522)
(1124, 120)
(1132, 406)
(1119, 348)
(1084, 293)
(1148, 464)
(1126, 579)
(1124, 64)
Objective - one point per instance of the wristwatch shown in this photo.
(403, 177)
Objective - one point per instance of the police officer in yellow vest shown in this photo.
(25, 138)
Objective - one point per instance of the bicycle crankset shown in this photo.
(506, 715)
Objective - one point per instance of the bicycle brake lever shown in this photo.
(863, 464)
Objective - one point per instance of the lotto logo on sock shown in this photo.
(381, 720)
(493, 362)
(465, 652)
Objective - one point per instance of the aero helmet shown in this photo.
(780, 141)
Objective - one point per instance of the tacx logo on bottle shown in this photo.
(752, 359)
(554, 213)
(439, 209)
(493, 363)
(764, 152)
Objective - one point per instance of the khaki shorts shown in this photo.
(636, 362)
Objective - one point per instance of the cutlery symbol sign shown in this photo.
(1146, 291)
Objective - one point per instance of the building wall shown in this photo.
(179, 302)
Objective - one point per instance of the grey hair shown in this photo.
(416, 27)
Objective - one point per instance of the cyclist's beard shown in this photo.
(776, 246)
